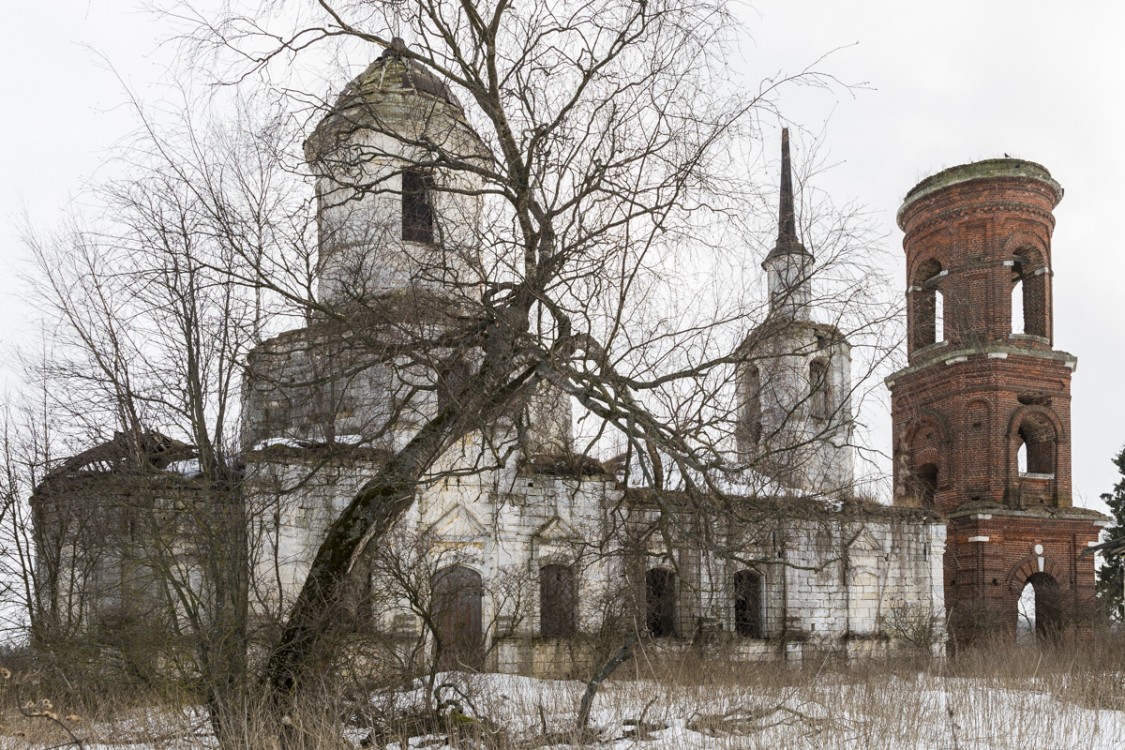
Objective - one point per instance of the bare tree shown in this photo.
(577, 220)
(144, 535)
(598, 153)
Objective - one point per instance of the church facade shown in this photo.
(533, 554)
(520, 555)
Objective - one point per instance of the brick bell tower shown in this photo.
(981, 413)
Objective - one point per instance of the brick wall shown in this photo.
(981, 414)
(991, 557)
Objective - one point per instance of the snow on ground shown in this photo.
(821, 711)
(924, 712)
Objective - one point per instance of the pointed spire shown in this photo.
(786, 223)
(787, 240)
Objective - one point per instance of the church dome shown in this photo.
(390, 94)
(391, 74)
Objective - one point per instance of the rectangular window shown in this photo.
(660, 603)
(748, 604)
(557, 601)
(417, 208)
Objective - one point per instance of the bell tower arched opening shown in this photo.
(1036, 446)
(1030, 293)
(927, 306)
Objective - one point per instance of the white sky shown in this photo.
(947, 83)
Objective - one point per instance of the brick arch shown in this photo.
(924, 268)
(1033, 412)
(1027, 245)
(1026, 410)
(940, 450)
(1019, 573)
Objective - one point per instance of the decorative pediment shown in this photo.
(556, 531)
(866, 544)
(458, 525)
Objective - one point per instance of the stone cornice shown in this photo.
(940, 357)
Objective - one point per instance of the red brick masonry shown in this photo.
(981, 388)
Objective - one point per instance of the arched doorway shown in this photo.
(457, 596)
(1039, 610)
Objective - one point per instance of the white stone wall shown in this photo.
(803, 444)
(830, 577)
(358, 151)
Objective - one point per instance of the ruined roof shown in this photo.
(392, 87)
(115, 466)
(149, 449)
(988, 169)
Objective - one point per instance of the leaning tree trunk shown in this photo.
(308, 631)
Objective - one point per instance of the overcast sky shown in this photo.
(945, 83)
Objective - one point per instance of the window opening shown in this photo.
(1030, 282)
(752, 416)
(927, 306)
(458, 594)
(1037, 444)
(660, 603)
(558, 598)
(1019, 322)
(417, 207)
(819, 396)
(939, 315)
(452, 375)
(748, 604)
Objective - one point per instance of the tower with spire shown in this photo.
(794, 421)
(789, 265)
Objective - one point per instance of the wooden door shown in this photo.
(457, 596)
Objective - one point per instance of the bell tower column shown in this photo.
(981, 413)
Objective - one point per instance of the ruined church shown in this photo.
(520, 553)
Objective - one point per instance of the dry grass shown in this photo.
(994, 696)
